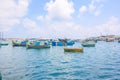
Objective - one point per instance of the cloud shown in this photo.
(10, 13)
(71, 29)
(58, 23)
(40, 18)
(112, 26)
(30, 25)
(82, 10)
(59, 9)
(94, 7)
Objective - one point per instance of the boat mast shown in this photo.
(0, 35)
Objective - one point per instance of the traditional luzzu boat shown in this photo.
(58, 43)
(19, 43)
(70, 43)
(62, 43)
(88, 44)
(38, 45)
(73, 50)
(109, 40)
(15, 43)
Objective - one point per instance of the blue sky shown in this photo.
(59, 18)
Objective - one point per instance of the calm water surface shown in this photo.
(96, 63)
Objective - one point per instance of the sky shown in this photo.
(59, 18)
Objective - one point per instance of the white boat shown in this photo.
(89, 44)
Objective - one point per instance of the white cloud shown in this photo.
(59, 9)
(30, 25)
(68, 28)
(10, 13)
(112, 26)
(82, 10)
(97, 12)
(94, 7)
(40, 18)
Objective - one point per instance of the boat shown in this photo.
(88, 44)
(73, 49)
(37, 45)
(15, 43)
(70, 43)
(0, 76)
(118, 41)
(58, 43)
(4, 43)
(62, 42)
(109, 40)
(19, 43)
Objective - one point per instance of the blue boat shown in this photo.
(70, 43)
(19, 43)
(54, 43)
(62, 43)
(38, 45)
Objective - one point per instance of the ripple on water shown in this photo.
(81, 73)
(99, 63)
(105, 76)
(107, 69)
(55, 74)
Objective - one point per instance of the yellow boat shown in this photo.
(73, 49)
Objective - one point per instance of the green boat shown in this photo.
(4, 43)
(88, 44)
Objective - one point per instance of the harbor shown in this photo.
(64, 62)
(59, 40)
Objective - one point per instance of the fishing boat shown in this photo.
(4, 43)
(118, 41)
(37, 45)
(109, 39)
(62, 42)
(0, 76)
(70, 43)
(73, 49)
(88, 44)
(19, 43)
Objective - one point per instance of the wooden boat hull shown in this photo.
(37, 47)
(88, 45)
(15, 45)
(3, 44)
(73, 49)
(18, 44)
(119, 41)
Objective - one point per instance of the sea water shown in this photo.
(101, 62)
